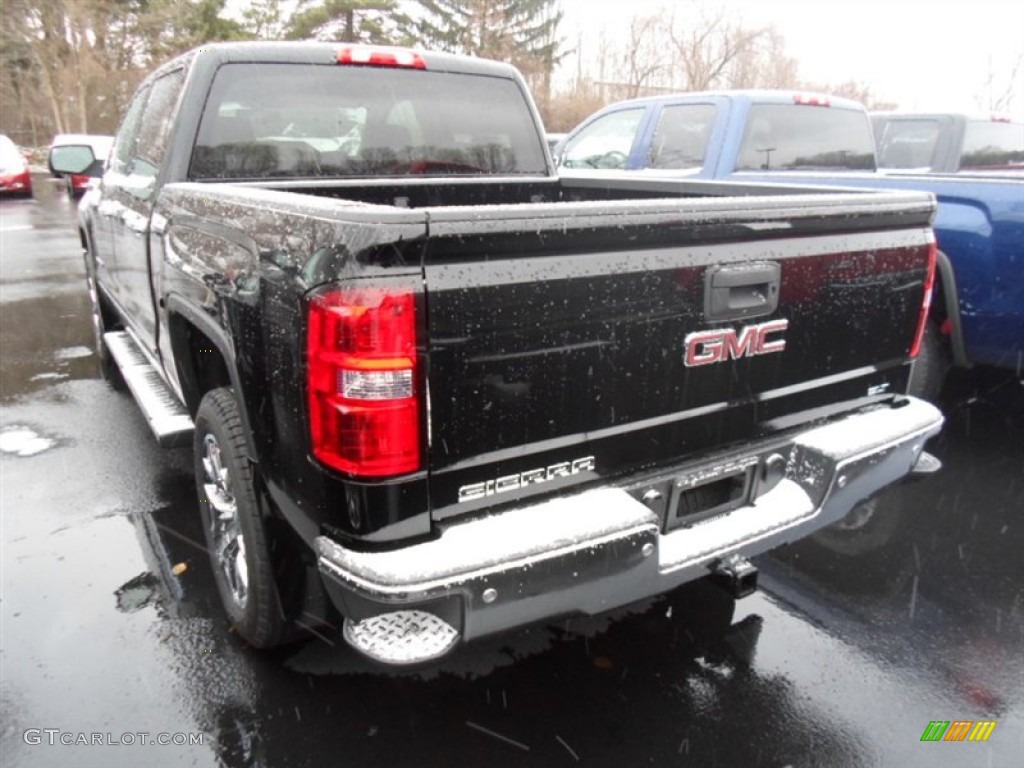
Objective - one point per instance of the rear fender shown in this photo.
(951, 308)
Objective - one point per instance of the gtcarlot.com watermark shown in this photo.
(55, 737)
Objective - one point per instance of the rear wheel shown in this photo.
(236, 537)
(869, 527)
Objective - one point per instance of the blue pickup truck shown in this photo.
(774, 136)
(946, 142)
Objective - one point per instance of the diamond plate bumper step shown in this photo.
(165, 413)
(401, 637)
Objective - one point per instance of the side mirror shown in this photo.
(75, 159)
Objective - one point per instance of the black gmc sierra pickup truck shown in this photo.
(435, 392)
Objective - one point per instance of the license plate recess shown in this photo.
(710, 491)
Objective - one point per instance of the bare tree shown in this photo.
(55, 44)
(644, 55)
(72, 65)
(1001, 101)
(705, 46)
(684, 47)
(765, 64)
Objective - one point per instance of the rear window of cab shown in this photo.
(306, 120)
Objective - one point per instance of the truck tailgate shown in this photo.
(579, 340)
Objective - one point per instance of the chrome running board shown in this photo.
(165, 413)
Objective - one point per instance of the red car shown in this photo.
(78, 184)
(15, 177)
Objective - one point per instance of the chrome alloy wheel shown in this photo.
(225, 527)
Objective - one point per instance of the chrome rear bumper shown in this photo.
(593, 551)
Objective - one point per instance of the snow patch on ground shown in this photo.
(23, 441)
(72, 353)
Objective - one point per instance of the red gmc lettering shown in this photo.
(706, 347)
(766, 347)
(742, 346)
(703, 347)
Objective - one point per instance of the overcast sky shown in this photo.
(921, 54)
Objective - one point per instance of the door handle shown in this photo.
(219, 283)
(738, 292)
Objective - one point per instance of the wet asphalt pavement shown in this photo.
(111, 626)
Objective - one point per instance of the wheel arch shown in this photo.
(88, 250)
(948, 308)
(204, 359)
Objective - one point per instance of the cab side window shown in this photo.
(155, 126)
(681, 139)
(143, 137)
(128, 134)
(605, 143)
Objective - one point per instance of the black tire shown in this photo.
(102, 321)
(236, 537)
(931, 366)
(869, 527)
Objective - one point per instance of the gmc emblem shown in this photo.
(721, 344)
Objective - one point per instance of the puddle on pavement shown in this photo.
(39, 352)
(137, 593)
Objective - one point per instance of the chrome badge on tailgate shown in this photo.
(475, 491)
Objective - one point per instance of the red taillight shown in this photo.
(361, 374)
(809, 100)
(929, 283)
(380, 57)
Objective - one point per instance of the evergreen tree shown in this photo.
(493, 29)
(264, 19)
(194, 22)
(352, 21)
(170, 27)
(521, 32)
